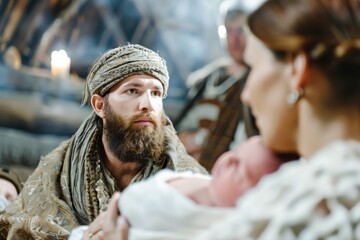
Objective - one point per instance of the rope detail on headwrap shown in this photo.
(120, 63)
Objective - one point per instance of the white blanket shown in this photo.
(156, 210)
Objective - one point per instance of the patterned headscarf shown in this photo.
(122, 62)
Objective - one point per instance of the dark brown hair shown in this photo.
(328, 31)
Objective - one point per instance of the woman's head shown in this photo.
(312, 45)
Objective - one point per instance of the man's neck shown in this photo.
(122, 171)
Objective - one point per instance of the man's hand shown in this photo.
(109, 224)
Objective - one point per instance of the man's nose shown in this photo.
(146, 102)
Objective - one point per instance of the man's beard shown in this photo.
(135, 144)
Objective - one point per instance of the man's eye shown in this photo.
(131, 91)
(157, 93)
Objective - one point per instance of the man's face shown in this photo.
(134, 119)
(236, 38)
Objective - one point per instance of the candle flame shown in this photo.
(60, 64)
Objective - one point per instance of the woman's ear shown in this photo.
(98, 104)
(300, 67)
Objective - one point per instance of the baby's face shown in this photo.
(240, 169)
(8, 190)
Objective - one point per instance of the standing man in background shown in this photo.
(212, 121)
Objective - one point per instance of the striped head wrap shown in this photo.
(120, 63)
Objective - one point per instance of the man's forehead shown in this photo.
(140, 80)
(239, 21)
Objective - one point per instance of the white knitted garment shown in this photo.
(318, 198)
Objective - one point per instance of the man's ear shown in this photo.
(300, 68)
(98, 104)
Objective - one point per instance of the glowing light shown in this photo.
(222, 31)
(60, 64)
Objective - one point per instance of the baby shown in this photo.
(173, 205)
(234, 173)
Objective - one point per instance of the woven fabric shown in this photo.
(122, 62)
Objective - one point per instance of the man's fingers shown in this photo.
(105, 223)
(94, 227)
(112, 212)
(123, 227)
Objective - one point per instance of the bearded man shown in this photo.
(126, 139)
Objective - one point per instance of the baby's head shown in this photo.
(10, 185)
(240, 169)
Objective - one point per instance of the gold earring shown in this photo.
(294, 96)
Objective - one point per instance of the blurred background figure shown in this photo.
(212, 121)
(10, 186)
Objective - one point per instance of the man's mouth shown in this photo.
(144, 121)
